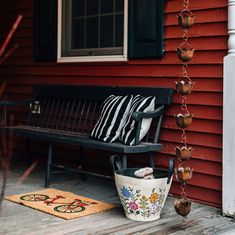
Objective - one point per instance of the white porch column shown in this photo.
(229, 118)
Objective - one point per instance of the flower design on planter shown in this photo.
(184, 174)
(184, 87)
(140, 204)
(154, 208)
(184, 153)
(184, 120)
(133, 206)
(125, 192)
(153, 198)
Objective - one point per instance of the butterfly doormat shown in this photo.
(65, 205)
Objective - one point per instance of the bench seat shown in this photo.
(83, 140)
(67, 114)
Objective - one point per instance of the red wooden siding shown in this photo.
(209, 37)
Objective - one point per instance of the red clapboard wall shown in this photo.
(208, 36)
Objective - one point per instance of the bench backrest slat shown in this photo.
(61, 110)
(81, 116)
(147, 136)
(65, 113)
(39, 117)
(70, 114)
(86, 116)
(76, 115)
(55, 113)
(157, 131)
(51, 112)
(46, 117)
(93, 114)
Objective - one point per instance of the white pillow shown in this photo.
(142, 104)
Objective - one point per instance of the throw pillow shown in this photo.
(113, 116)
(141, 104)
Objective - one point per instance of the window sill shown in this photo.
(117, 58)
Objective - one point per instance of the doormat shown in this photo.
(65, 205)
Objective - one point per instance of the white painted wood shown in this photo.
(231, 26)
(73, 59)
(111, 58)
(229, 118)
(59, 29)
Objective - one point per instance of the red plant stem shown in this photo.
(26, 174)
(8, 53)
(2, 88)
(6, 167)
(10, 34)
(6, 154)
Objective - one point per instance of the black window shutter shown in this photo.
(145, 29)
(45, 30)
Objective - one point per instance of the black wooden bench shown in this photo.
(66, 114)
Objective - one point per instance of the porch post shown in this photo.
(229, 118)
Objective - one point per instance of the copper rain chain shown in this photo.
(184, 86)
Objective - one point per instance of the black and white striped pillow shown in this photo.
(113, 116)
(141, 104)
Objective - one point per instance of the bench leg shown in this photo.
(151, 160)
(124, 161)
(28, 152)
(48, 169)
(81, 162)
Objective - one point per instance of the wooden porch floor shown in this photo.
(17, 219)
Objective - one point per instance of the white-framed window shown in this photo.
(92, 30)
(98, 30)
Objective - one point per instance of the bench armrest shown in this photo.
(138, 116)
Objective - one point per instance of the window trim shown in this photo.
(105, 58)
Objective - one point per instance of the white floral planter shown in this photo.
(143, 199)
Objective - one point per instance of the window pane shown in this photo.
(106, 31)
(78, 34)
(78, 8)
(119, 5)
(92, 32)
(92, 7)
(106, 6)
(119, 30)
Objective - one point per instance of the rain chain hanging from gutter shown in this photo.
(184, 86)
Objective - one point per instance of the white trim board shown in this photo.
(228, 190)
(111, 58)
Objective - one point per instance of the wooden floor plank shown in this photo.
(16, 219)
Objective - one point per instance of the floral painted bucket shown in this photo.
(142, 199)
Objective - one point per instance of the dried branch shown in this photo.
(10, 34)
(8, 53)
(25, 174)
(6, 154)
(2, 88)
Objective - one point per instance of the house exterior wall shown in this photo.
(208, 36)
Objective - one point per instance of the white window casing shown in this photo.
(105, 58)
